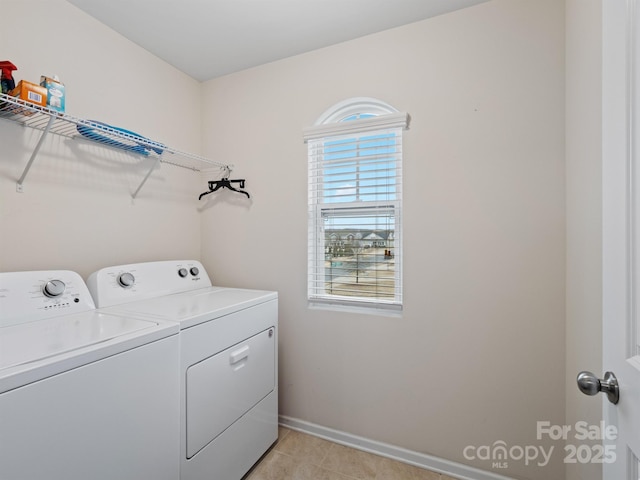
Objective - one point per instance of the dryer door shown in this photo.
(223, 387)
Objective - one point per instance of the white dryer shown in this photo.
(83, 394)
(228, 359)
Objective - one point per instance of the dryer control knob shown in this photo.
(183, 272)
(126, 280)
(194, 271)
(53, 288)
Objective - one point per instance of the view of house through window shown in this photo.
(360, 255)
(355, 180)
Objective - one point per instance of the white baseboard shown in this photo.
(440, 465)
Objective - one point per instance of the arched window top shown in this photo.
(354, 109)
(356, 115)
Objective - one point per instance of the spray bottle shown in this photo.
(7, 81)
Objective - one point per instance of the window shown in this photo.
(355, 206)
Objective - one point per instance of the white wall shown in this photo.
(584, 215)
(76, 211)
(479, 353)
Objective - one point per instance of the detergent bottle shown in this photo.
(7, 81)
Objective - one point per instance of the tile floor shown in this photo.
(298, 456)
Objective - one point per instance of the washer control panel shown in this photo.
(127, 283)
(35, 295)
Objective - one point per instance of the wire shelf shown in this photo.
(65, 125)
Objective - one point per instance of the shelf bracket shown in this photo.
(19, 186)
(146, 177)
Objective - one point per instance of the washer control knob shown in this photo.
(53, 288)
(126, 280)
(183, 272)
(194, 271)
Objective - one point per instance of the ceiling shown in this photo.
(209, 38)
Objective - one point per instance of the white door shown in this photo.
(621, 227)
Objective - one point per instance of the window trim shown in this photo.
(353, 127)
(332, 124)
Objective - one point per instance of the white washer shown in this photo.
(83, 394)
(228, 359)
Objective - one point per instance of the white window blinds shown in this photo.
(355, 212)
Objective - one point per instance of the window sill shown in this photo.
(384, 310)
